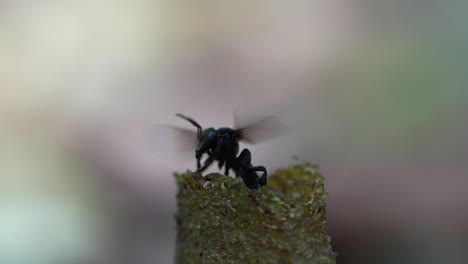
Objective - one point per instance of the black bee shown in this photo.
(222, 145)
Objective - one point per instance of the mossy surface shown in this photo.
(221, 221)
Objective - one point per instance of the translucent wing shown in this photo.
(259, 130)
(171, 142)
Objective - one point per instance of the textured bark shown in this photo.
(221, 221)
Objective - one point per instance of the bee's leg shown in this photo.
(207, 162)
(226, 169)
(227, 166)
(262, 181)
(221, 163)
(197, 174)
(231, 165)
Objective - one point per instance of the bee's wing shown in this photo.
(171, 142)
(259, 130)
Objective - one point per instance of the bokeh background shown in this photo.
(372, 91)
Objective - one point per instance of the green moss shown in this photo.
(221, 221)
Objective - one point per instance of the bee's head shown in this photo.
(205, 141)
(205, 137)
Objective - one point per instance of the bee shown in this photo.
(222, 145)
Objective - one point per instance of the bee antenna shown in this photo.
(193, 122)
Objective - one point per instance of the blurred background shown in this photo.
(372, 91)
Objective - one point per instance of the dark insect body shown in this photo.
(247, 171)
(222, 145)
